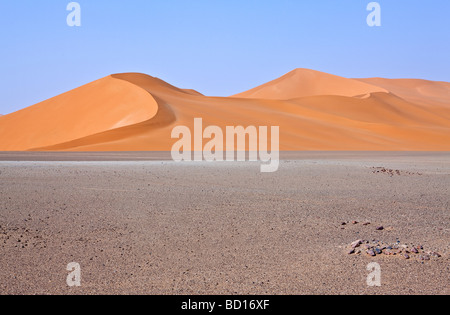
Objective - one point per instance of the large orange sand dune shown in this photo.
(315, 111)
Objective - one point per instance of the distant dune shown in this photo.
(305, 82)
(315, 111)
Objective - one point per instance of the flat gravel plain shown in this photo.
(138, 225)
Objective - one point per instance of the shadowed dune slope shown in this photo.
(315, 111)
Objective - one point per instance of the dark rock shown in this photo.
(356, 244)
(380, 228)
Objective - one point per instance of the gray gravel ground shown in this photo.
(150, 227)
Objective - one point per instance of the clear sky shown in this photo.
(218, 47)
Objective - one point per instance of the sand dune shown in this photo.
(430, 94)
(414, 89)
(305, 82)
(101, 105)
(315, 111)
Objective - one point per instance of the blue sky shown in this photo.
(218, 47)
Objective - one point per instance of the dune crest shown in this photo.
(192, 92)
(315, 111)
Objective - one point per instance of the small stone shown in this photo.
(355, 222)
(343, 223)
(378, 251)
(380, 228)
(437, 255)
(424, 257)
(356, 244)
(371, 253)
(351, 252)
(366, 223)
(406, 256)
(414, 250)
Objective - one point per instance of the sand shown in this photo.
(157, 227)
(315, 111)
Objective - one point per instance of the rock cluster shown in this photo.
(391, 173)
(374, 248)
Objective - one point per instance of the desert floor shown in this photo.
(137, 225)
